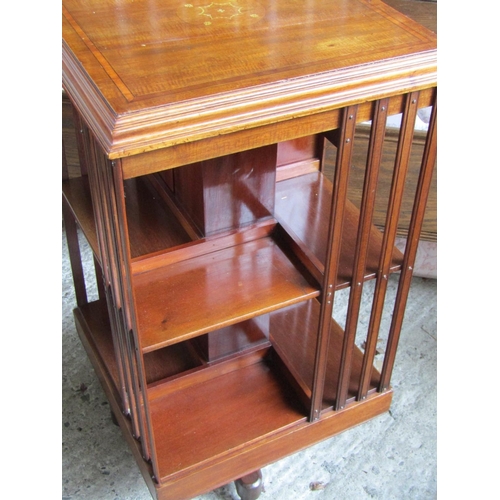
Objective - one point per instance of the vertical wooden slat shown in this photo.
(115, 299)
(113, 230)
(389, 237)
(364, 228)
(339, 197)
(81, 133)
(99, 216)
(74, 255)
(120, 301)
(418, 212)
(121, 213)
(124, 373)
(65, 171)
(107, 226)
(99, 280)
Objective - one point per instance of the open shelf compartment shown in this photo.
(159, 365)
(244, 399)
(76, 193)
(152, 226)
(240, 401)
(302, 209)
(293, 334)
(214, 290)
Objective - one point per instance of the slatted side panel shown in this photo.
(117, 191)
(119, 275)
(383, 313)
(339, 197)
(420, 200)
(70, 137)
(362, 241)
(109, 283)
(392, 217)
(106, 185)
(82, 144)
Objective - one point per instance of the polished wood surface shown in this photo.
(216, 157)
(302, 208)
(229, 192)
(214, 291)
(246, 459)
(213, 147)
(251, 68)
(234, 339)
(145, 32)
(226, 399)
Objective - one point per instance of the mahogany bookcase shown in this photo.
(221, 237)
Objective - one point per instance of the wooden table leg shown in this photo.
(114, 419)
(250, 487)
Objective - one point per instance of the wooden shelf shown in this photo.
(152, 226)
(302, 208)
(227, 390)
(214, 290)
(76, 191)
(94, 319)
(293, 333)
(159, 365)
(239, 402)
(236, 407)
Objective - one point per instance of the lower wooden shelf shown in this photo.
(159, 365)
(214, 424)
(232, 406)
(293, 336)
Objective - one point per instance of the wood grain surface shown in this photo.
(182, 73)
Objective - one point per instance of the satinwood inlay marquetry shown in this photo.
(156, 74)
(221, 13)
(246, 44)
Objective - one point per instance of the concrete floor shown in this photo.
(390, 457)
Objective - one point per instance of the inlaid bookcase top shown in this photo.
(215, 143)
(154, 74)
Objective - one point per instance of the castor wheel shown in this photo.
(114, 419)
(250, 487)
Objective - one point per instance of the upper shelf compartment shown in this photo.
(76, 191)
(151, 224)
(191, 297)
(302, 208)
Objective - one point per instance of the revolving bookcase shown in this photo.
(214, 151)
